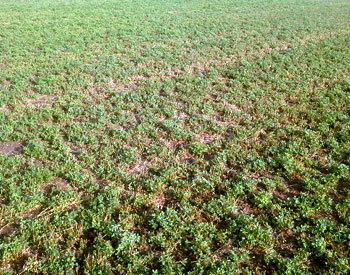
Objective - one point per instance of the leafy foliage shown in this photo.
(174, 137)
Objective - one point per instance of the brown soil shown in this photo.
(10, 148)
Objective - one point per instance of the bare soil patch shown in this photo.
(40, 101)
(56, 182)
(4, 108)
(10, 148)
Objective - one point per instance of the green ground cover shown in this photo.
(174, 137)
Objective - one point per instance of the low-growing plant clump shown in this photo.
(174, 137)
